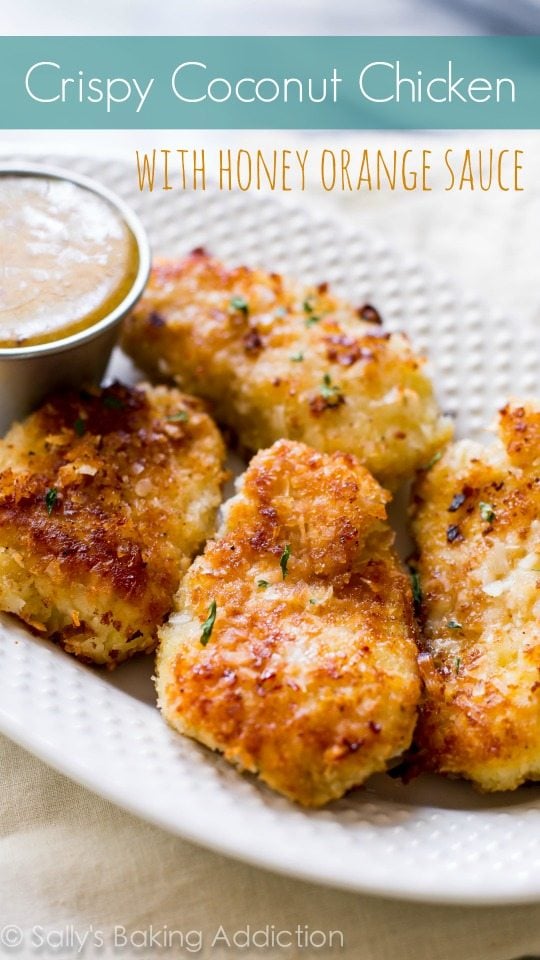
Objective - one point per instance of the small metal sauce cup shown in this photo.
(27, 374)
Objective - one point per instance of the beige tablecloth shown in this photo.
(72, 864)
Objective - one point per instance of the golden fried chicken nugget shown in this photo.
(292, 648)
(104, 499)
(477, 525)
(280, 360)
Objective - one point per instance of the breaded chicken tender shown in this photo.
(477, 525)
(104, 499)
(292, 648)
(280, 360)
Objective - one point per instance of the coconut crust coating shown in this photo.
(277, 359)
(477, 526)
(104, 499)
(292, 649)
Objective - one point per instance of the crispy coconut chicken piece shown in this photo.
(104, 499)
(277, 359)
(477, 526)
(292, 649)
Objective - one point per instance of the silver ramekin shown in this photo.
(27, 374)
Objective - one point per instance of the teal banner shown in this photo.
(313, 83)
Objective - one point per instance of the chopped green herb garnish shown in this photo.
(208, 624)
(297, 357)
(486, 512)
(330, 391)
(285, 559)
(239, 304)
(307, 306)
(458, 664)
(181, 417)
(327, 388)
(313, 601)
(454, 624)
(435, 459)
(79, 427)
(113, 403)
(416, 588)
(262, 584)
(51, 497)
(312, 320)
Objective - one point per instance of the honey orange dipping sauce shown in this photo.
(67, 259)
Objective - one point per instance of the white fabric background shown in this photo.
(245, 17)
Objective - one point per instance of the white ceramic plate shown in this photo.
(433, 840)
